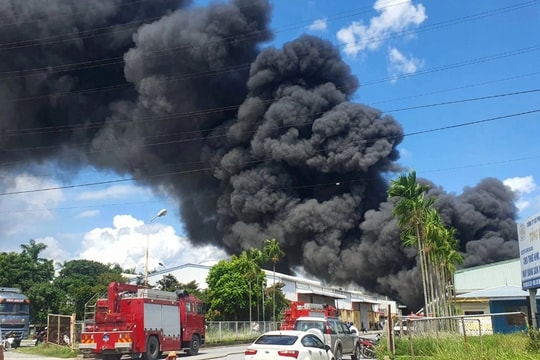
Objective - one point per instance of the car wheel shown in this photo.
(339, 353)
(357, 352)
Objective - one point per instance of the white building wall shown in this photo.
(488, 276)
(184, 274)
(294, 286)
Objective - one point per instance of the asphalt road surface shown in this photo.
(233, 352)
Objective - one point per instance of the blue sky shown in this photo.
(426, 63)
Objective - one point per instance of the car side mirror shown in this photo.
(353, 331)
(327, 347)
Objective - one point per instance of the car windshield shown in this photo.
(304, 325)
(276, 339)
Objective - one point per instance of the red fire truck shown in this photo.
(299, 309)
(139, 321)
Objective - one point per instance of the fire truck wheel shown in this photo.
(152, 348)
(195, 344)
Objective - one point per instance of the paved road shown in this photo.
(205, 353)
(15, 355)
(231, 352)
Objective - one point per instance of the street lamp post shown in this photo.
(161, 213)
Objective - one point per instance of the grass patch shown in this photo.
(488, 347)
(49, 350)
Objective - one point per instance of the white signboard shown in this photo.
(529, 252)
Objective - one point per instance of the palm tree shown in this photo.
(33, 249)
(421, 226)
(168, 283)
(448, 256)
(272, 251)
(250, 261)
(411, 211)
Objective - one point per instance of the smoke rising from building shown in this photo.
(254, 142)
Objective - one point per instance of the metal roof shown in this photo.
(321, 292)
(497, 292)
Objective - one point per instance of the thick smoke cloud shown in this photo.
(254, 142)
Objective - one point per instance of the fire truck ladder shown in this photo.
(90, 310)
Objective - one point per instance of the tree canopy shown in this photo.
(236, 287)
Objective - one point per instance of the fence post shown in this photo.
(220, 332)
(390, 329)
(464, 331)
(72, 331)
(532, 304)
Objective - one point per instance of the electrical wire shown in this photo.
(208, 168)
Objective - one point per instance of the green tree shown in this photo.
(411, 211)
(278, 302)
(81, 279)
(168, 283)
(421, 226)
(27, 271)
(32, 250)
(443, 256)
(24, 269)
(249, 262)
(272, 251)
(227, 290)
(192, 287)
(44, 299)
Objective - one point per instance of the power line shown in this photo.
(460, 101)
(468, 86)
(247, 36)
(119, 59)
(232, 107)
(470, 123)
(307, 123)
(60, 15)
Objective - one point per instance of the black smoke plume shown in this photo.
(253, 141)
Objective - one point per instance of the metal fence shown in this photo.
(223, 331)
(61, 330)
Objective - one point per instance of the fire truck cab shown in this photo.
(139, 321)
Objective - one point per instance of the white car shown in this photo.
(287, 345)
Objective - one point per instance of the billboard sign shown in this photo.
(529, 252)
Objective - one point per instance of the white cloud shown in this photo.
(522, 185)
(318, 25)
(404, 153)
(125, 243)
(523, 204)
(87, 214)
(21, 211)
(400, 64)
(54, 250)
(112, 192)
(394, 16)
